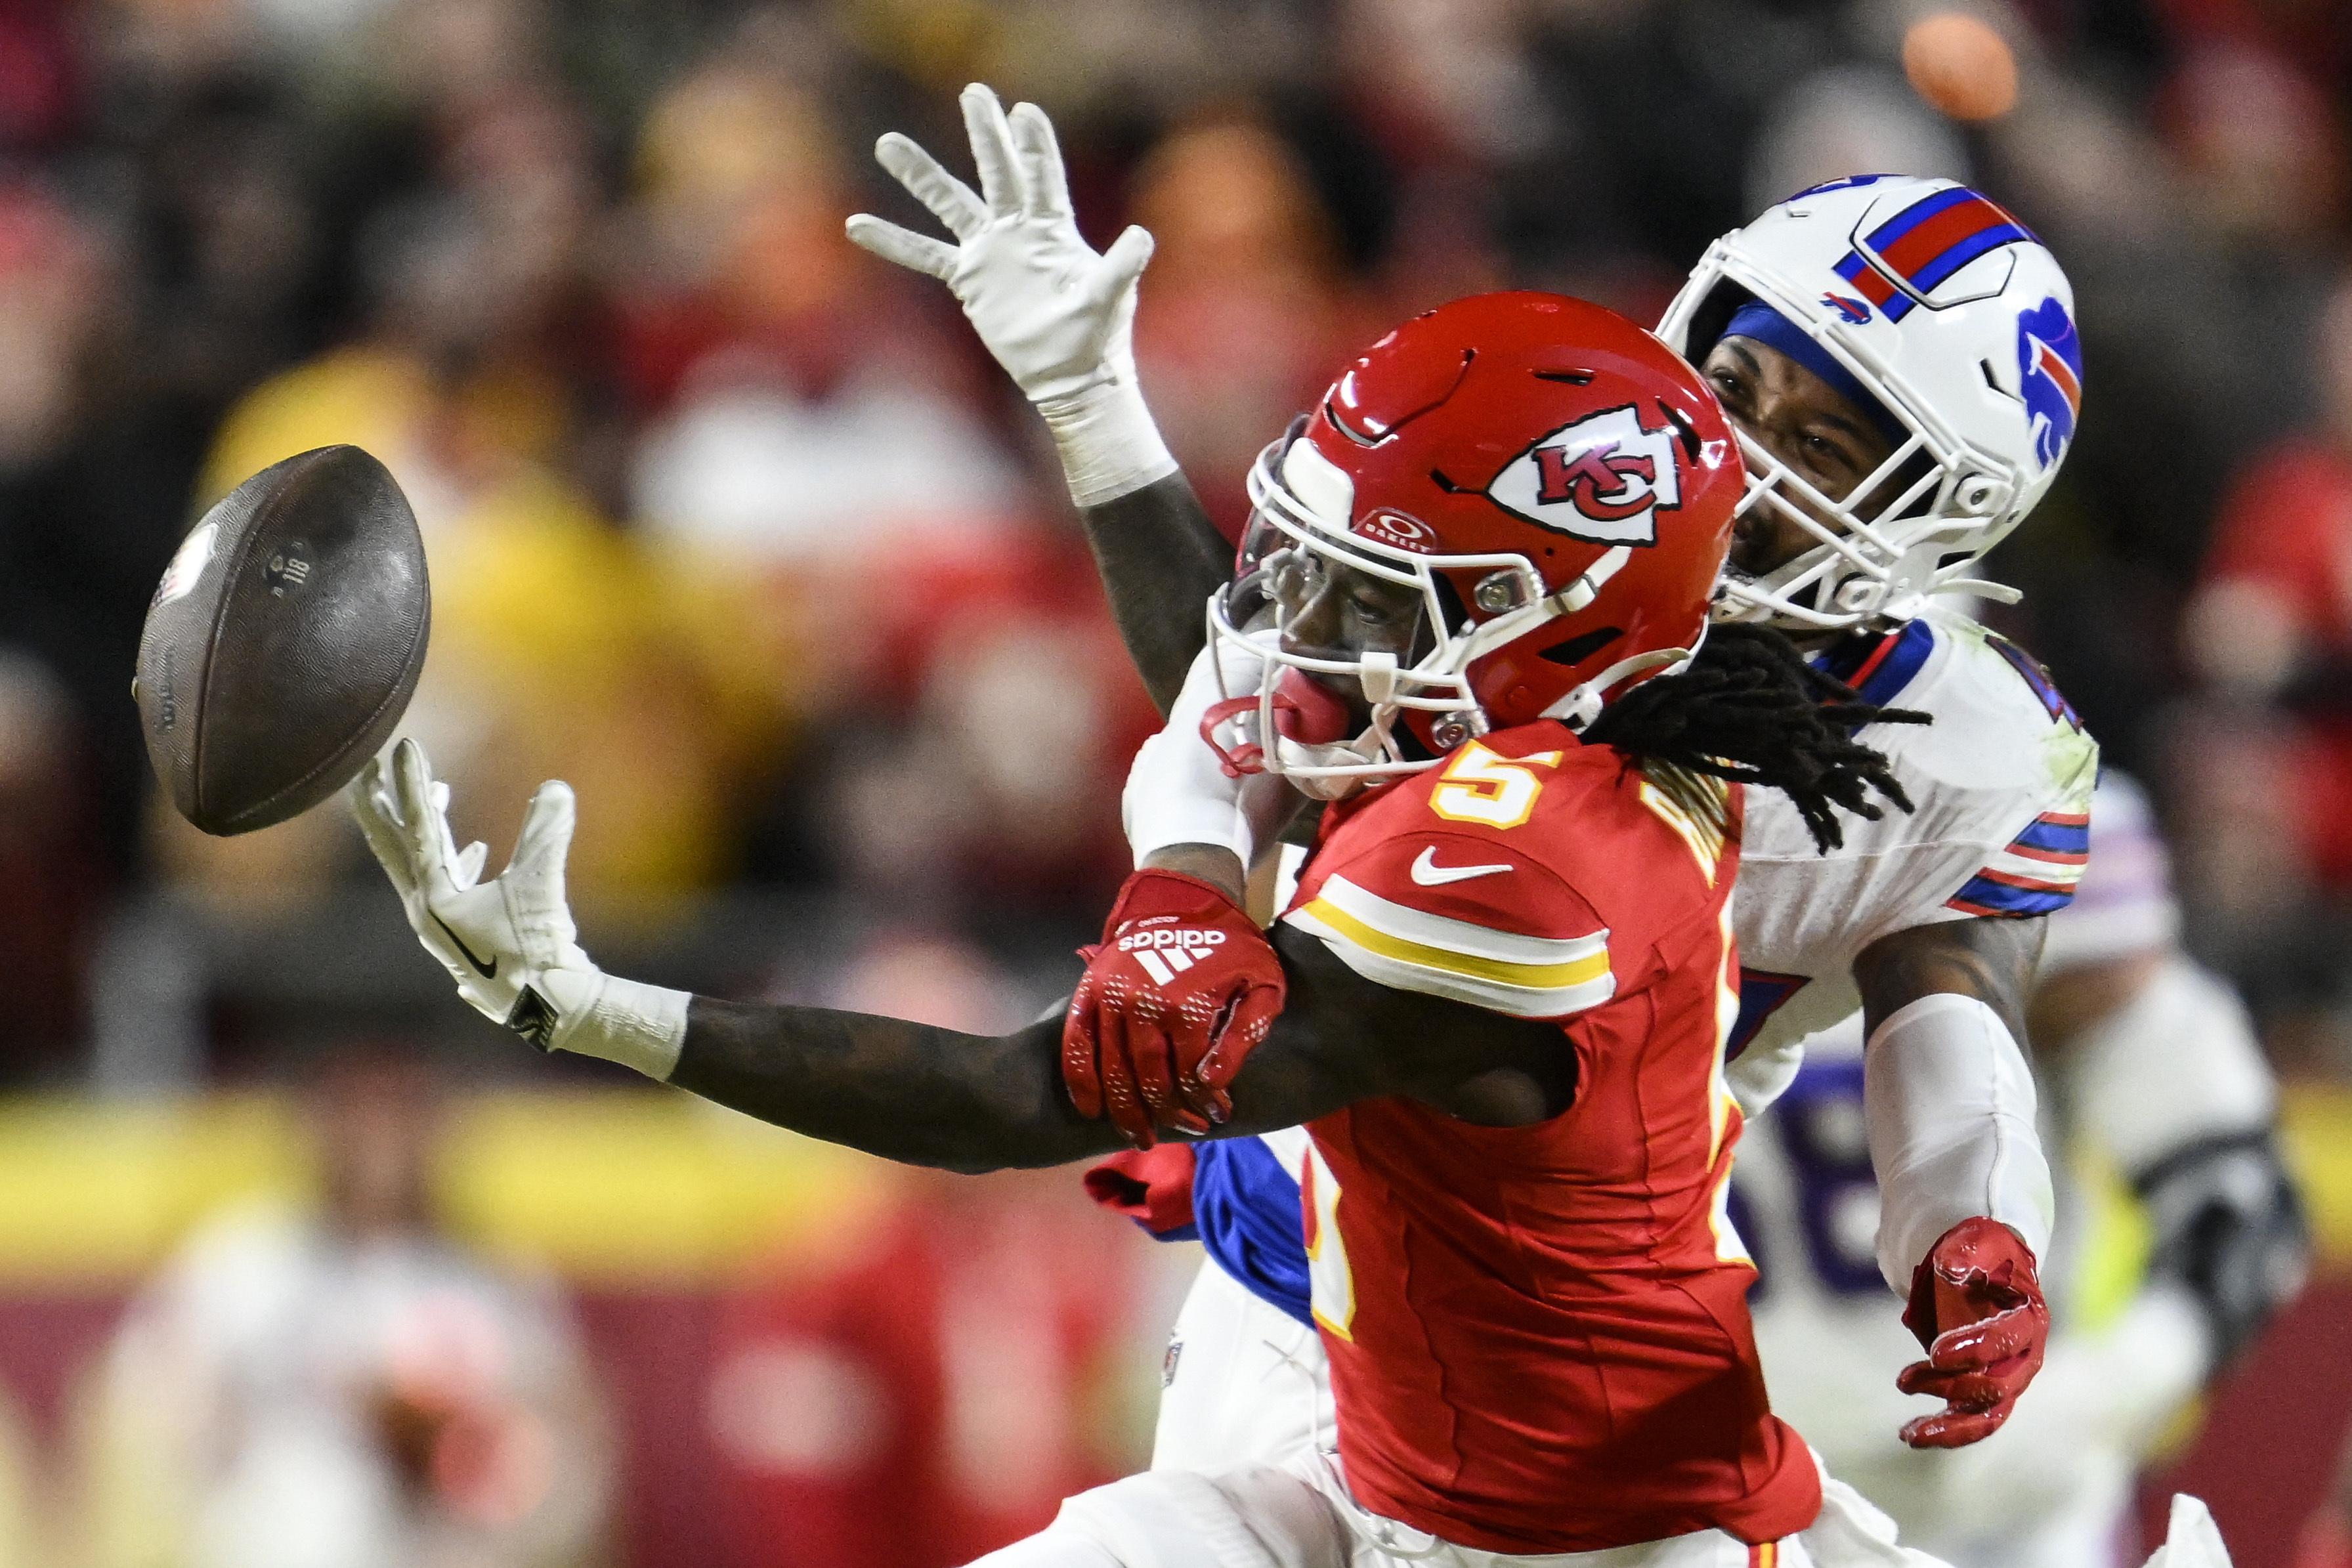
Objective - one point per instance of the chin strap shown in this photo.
(1579, 707)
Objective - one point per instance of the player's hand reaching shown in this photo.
(1057, 315)
(509, 943)
(1976, 1304)
(1182, 988)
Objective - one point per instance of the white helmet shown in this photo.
(1958, 322)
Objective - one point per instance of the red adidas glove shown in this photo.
(1180, 991)
(1976, 1305)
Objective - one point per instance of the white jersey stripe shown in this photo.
(1479, 985)
(1426, 930)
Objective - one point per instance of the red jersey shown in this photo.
(1538, 1335)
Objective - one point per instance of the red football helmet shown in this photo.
(1512, 506)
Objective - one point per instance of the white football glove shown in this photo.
(1058, 316)
(509, 943)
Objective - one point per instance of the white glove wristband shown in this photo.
(638, 1026)
(1109, 444)
(1949, 1102)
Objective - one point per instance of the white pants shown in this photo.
(1300, 1516)
(1246, 1382)
(1240, 1475)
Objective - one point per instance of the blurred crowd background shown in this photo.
(737, 530)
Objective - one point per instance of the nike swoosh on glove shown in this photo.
(1058, 316)
(1180, 990)
(509, 943)
(1976, 1306)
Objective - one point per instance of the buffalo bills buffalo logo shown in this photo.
(1853, 310)
(2050, 364)
(1602, 478)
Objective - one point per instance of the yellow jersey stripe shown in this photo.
(1403, 922)
(1530, 976)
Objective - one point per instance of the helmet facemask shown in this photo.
(1888, 545)
(1969, 458)
(1338, 717)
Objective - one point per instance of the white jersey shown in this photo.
(2001, 786)
(2168, 1067)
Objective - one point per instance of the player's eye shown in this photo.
(1827, 456)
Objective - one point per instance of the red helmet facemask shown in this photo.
(1513, 506)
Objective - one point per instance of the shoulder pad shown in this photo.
(1453, 915)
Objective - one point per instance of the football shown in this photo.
(284, 641)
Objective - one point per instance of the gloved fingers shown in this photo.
(992, 151)
(372, 807)
(1081, 1051)
(423, 826)
(546, 836)
(1121, 265)
(929, 181)
(1240, 1030)
(1154, 1046)
(1250, 1016)
(1116, 1062)
(467, 869)
(445, 841)
(1045, 187)
(1988, 1341)
(1952, 1428)
(902, 247)
(1961, 1390)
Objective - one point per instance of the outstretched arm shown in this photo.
(906, 1091)
(931, 1096)
(1058, 316)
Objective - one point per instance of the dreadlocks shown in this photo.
(1749, 708)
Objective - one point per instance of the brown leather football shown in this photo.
(284, 641)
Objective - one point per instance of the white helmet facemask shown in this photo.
(1952, 319)
(1281, 713)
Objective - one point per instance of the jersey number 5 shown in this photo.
(1478, 786)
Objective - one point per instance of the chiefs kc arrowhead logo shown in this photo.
(1603, 478)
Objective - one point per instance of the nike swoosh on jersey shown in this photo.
(1429, 874)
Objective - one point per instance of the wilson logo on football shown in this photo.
(1169, 951)
(1604, 478)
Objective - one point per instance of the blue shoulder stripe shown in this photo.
(2066, 834)
(1986, 895)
